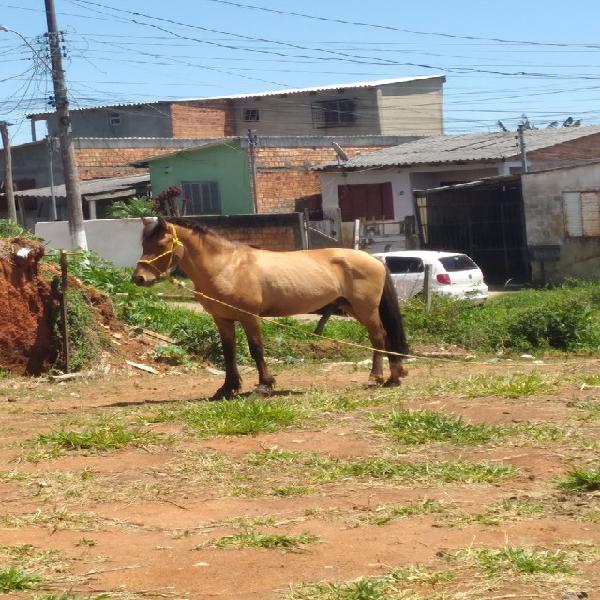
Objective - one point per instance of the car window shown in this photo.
(404, 264)
(459, 262)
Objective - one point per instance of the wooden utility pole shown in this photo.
(8, 180)
(427, 288)
(63, 118)
(252, 143)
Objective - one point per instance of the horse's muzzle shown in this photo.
(143, 280)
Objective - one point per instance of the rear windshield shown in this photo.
(460, 262)
(404, 264)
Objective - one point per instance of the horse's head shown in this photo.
(161, 249)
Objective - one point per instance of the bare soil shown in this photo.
(136, 522)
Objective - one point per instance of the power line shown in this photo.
(398, 29)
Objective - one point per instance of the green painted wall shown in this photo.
(226, 164)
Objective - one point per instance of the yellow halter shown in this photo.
(174, 242)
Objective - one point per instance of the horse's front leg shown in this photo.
(233, 381)
(266, 381)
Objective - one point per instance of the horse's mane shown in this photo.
(201, 230)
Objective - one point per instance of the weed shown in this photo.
(389, 513)
(423, 426)
(252, 539)
(70, 596)
(86, 542)
(507, 509)
(504, 386)
(590, 379)
(241, 416)
(592, 410)
(111, 436)
(171, 354)
(13, 579)
(580, 479)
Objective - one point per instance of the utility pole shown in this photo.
(252, 143)
(51, 141)
(522, 149)
(8, 179)
(71, 172)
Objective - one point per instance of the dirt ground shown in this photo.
(156, 519)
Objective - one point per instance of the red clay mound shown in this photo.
(26, 344)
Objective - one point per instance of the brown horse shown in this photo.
(236, 282)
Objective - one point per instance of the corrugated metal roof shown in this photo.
(471, 147)
(319, 88)
(107, 185)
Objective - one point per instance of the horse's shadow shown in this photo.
(250, 394)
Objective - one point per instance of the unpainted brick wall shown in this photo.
(197, 119)
(284, 175)
(585, 148)
(112, 162)
(267, 238)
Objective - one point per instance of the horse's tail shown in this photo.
(390, 315)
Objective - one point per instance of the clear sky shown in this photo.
(547, 66)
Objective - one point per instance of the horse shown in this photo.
(238, 282)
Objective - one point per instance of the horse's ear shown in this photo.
(148, 220)
(162, 223)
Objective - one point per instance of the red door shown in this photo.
(369, 201)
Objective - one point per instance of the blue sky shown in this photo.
(115, 56)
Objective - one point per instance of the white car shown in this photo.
(452, 274)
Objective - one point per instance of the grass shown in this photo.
(415, 427)
(70, 596)
(13, 579)
(241, 416)
(292, 490)
(504, 386)
(384, 587)
(390, 513)
(580, 479)
(321, 469)
(509, 509)
(102, 438)
(253, 539)
(517, 560)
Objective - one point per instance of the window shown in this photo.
(404, 264)
(201, 198)
(334, 113)
(460, 262)
(114, 119)
(582, 213)
(251, 114)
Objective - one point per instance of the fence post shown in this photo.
(427, 288)
(356, 237)
(64, 323)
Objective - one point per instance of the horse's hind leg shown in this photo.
(372, 322)
(233, 381)
(266, 381)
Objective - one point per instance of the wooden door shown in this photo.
(369, 201)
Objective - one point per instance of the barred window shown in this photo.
(334, 113)
(251, 115)
(201, 197)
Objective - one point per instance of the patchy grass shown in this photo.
(580, 479)
(241, 416)
(13, 579)
(100, 438)
(425, 426)
(391, 513)
(55, 519)
(385, 587)
(591, 408)
(509, 509)
(495, 561)
(320, 468)
(253, 539)
(292, 490)
(519, 385)
(70, 596)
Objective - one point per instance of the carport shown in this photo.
(484, 219)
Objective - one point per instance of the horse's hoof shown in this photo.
(375, 382)
(403, 372)
(224, 393)
(391, 383)
(263, 390)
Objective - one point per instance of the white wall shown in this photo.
(117, 240)
(403, 180)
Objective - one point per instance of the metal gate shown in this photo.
(484, 220)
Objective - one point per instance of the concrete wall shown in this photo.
(32, 161)
(545, 221)
(149, 120)
(403, 180)
(119, 240)
(225, 164)
(411, 108)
